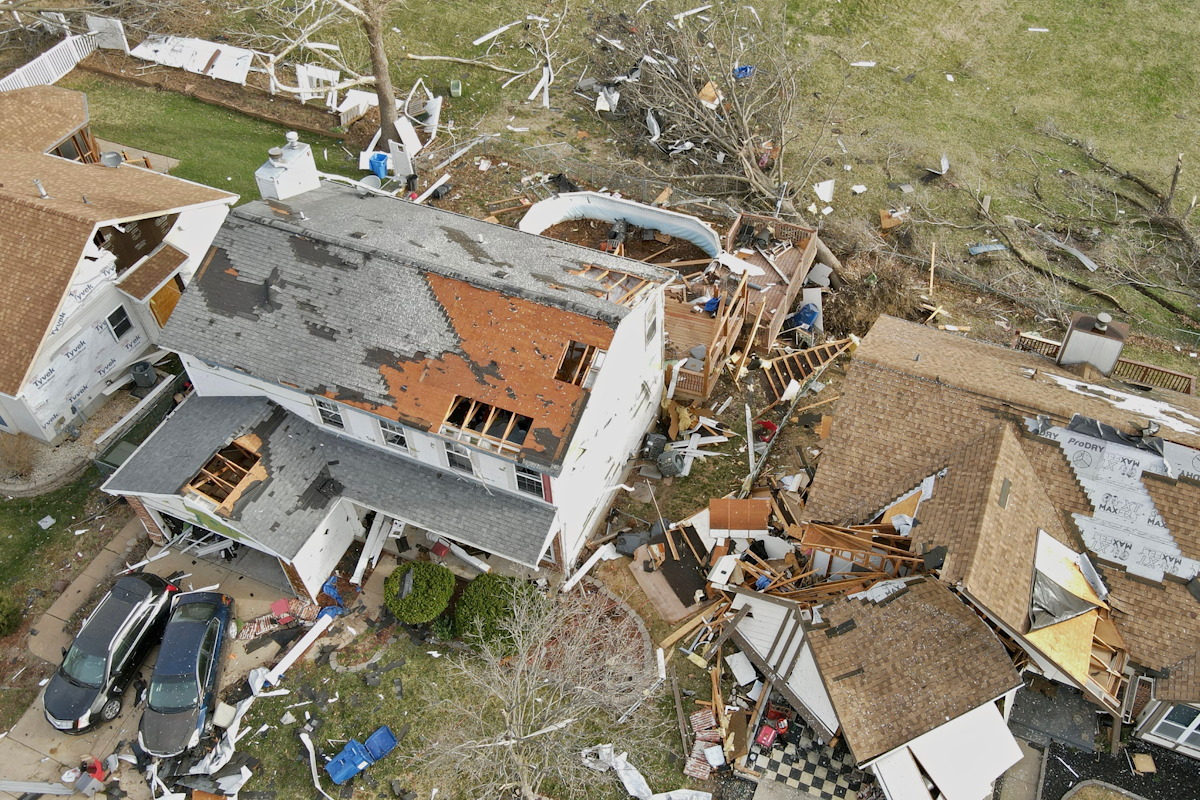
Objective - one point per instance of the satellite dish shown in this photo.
(368, 183)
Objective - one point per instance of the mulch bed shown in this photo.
(1177, 777)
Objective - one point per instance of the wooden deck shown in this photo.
(686, 328)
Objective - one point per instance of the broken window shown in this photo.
(619, 287)
(393, 434)
(459, 457)
(218, 479)
(1182, 724)
(118, 322)
(485, 425)
(580, 363)
(529, 480)
(331, 414)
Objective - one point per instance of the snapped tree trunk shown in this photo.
(373, 26)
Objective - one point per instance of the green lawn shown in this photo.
(216, 147)
(430, 697)
(28, 553)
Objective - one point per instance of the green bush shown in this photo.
(10, 613)
(443, 627)
(432, 587)
(485, 605)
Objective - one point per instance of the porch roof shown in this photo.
(308, 469)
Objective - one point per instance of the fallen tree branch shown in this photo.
(467, 61)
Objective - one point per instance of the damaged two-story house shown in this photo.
(94, 254)
(363, 361)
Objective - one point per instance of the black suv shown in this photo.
(105, 656)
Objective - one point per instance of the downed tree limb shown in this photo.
(467, 61)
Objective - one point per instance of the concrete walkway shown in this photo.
(33, 751)
(1023, 779)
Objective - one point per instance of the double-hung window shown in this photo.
(393, 434)
(330, 413)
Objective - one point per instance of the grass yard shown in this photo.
(32, 560)
(1120, 76)
(427, 700)
(214, 146)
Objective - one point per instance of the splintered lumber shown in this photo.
(690, 625)
(801, 366)
(679, 712)
(671, 544)
(727, 627)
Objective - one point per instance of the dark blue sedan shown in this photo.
(183, 688)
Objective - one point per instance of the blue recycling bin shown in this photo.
(378, 164)
(357, 756)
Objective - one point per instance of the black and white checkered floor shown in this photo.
(808, 765)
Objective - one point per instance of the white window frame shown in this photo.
(389, 430)
(1190, 730)
(327, 411)
(520, 471)
(113, 328)
(456, 449)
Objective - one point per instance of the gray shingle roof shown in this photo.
(349, 297)
(284, 510)
(177, 450)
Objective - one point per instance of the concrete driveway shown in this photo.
(34, 751)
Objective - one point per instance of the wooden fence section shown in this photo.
(1126, 369)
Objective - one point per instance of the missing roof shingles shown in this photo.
(839, 629)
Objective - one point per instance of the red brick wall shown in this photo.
(157, 535)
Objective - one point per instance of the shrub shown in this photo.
(19, 454)
(432, 586)
(485, 605)
(10, 613)
(443, 627)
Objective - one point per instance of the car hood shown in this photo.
(168, 734)
(67, 701)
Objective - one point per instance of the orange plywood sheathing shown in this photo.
(509, 352)
(730, 514)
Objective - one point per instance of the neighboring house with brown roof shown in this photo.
(93, 259)
(370, 368)
(1063, 509)
(917, 684)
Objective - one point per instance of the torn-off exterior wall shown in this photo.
(605, 208)
(622, 405)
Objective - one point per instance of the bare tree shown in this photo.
(722, 90)
(558, 676)
(289, 30)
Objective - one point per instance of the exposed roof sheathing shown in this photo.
(730, 514)
(900, 667)
(42, 239)
(398, 309)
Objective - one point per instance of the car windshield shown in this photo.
(173, 693)
(84, 667)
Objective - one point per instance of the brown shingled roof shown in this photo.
(43, 239)
(904, 666)
(39, 117)
(960, 405)
(150, 274)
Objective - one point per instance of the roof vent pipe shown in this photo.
(275, 153)
(293, 139)
(1102, 320)
(112, 159)
(41, 189)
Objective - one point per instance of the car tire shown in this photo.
(110, 710)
